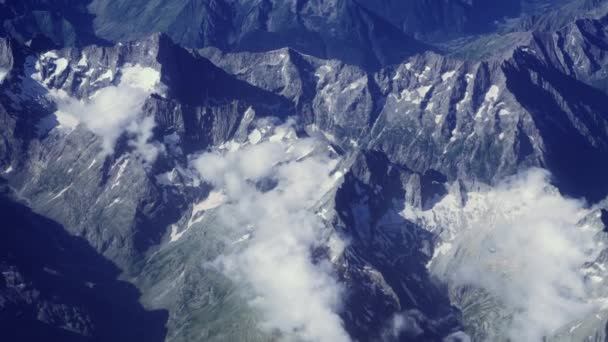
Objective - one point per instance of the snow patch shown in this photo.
(175, 235)
(466, 98)
(144, 78)
(114, 202)
(255, 136)
(61, 64)
(504, 112)
(3, 73)
(596, 279)
(107, 75)
(447, 75)
(49, 55)
(397, 76)
(574, 328)
(83, 62)
(356, 85)
(121, 169)
(442, 249)
(323, 70)
(213, 200)
(492, 94)
(92, 163)
(60, 193)
(167, 178)
(279, 134)
(243, 238)
(489, 101)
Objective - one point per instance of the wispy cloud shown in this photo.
(114, 110)
(272, 187)
(520, 243)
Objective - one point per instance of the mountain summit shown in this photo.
(328, 170)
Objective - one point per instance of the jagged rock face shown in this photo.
(447, 19)
(367, 33)
(330, 29)
(64, 22)
(430, 126)
(376, 281)
(486, 244)
(462, 109)
(57, 287)
(577, 50)
(339, 28)
(189, 117)
(428, 111)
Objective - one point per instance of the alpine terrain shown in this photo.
(304, 170)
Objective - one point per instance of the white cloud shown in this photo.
(144, 78)
(401, 323)
(143, 131)
(520, 243)
(297, 296)
(114, 110)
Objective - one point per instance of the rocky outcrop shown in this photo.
(405, 134)
(56, 286)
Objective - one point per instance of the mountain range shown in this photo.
(304, 170)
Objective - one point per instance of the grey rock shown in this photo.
(404, 132)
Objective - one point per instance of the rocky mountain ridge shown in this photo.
(407, 136)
